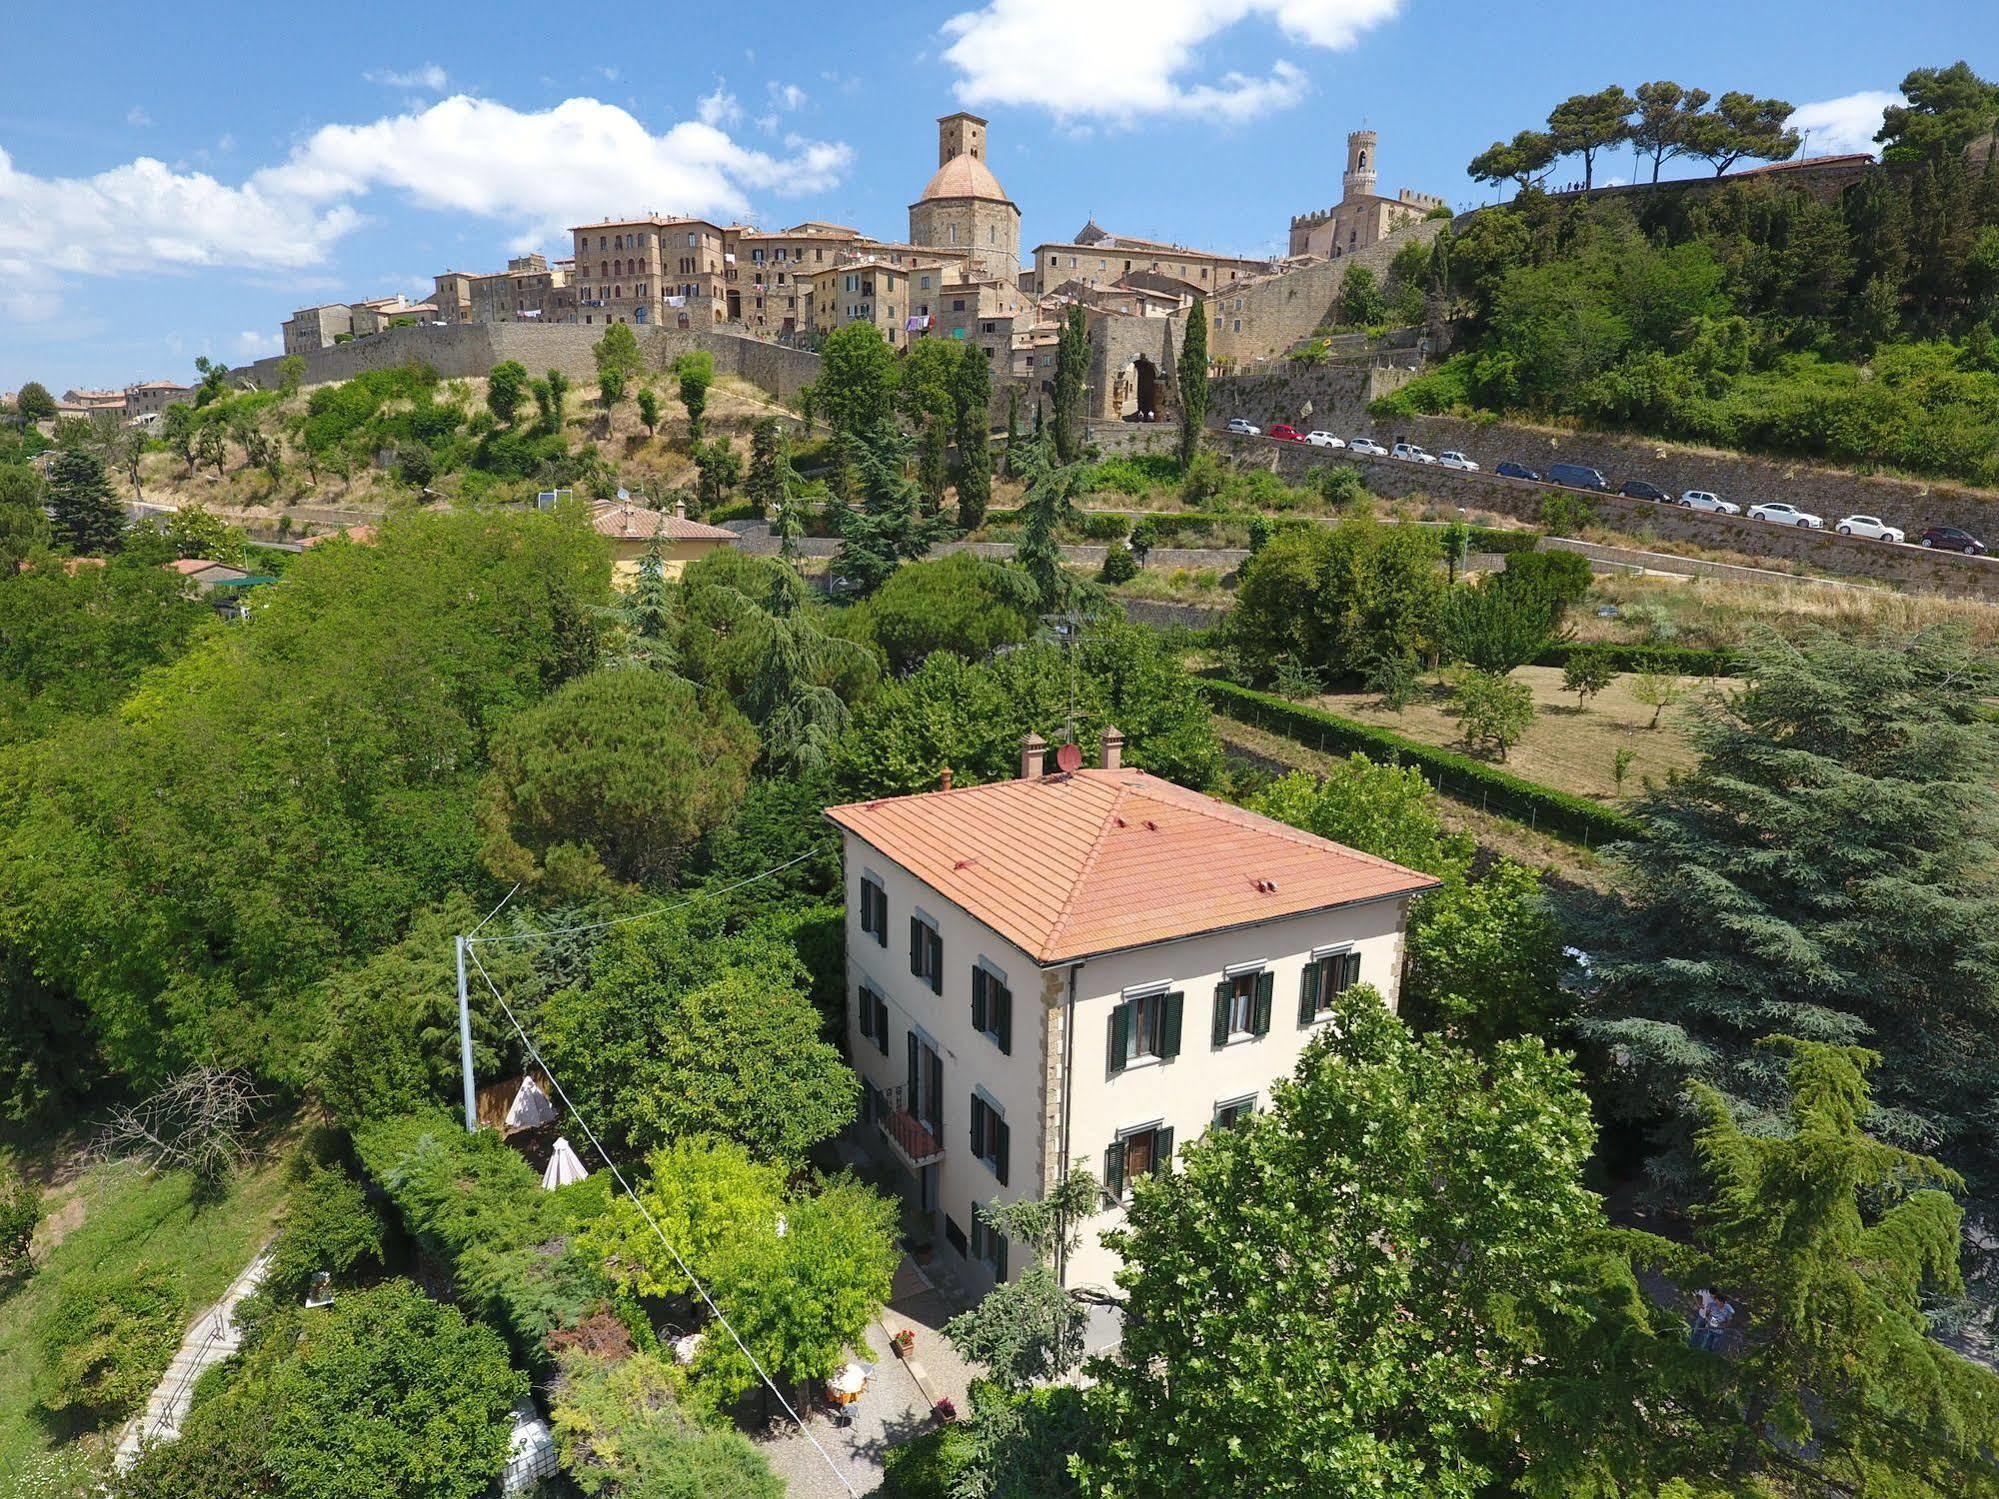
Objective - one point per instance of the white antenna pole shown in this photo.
(465, 1044)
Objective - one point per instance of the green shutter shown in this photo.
(915, 945)
(1002, 1147)
(1000, 998)
(881, 1024)
(978, 998)
(1308, 994)
(881, 916)
(1162, 1151)
(1120, 1036)
(1114, 1169)
(999, 1253)
(1221, 1036)
(1349, 970)
(977, 1111)
(936, 963)
(1169, 1028)
(1266, 985)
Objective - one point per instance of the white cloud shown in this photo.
(786, 95)
(1842, 125)
(719, 108)
(1052, 53)
(535, 172)
(429, 76)
(137, 117)
(251, 345)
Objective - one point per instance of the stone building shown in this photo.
(652, 271)
(152, 397)
(313, 328)
(529, 290)
(1362, 217)
(766, 275)
(1096, 257)
(373, 316)
(83, 402)
(898, 296)
(963, 207)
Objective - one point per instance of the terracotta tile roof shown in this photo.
(635, 523)
(1072, 865)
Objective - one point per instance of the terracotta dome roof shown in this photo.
(964, 177)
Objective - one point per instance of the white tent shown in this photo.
(564, 1167)
(530, 1108)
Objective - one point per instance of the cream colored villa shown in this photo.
(1093, 966)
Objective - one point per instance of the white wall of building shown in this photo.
(1182, 1093)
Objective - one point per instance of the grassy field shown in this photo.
(1710, 612)
(1567, 749)
(114, 1218)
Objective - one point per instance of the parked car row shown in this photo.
(1581, 476)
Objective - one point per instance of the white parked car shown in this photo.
(1324, 440)
(1408, 452)
(1871, 526)
(1780, 514)
(1700, 499)
(1454, 459)
(1368, 446)
(1244, 428)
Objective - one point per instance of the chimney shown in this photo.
(1113, 748)
(944, 779)
(1033, 752)
(680, 508)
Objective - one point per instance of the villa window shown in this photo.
(1327, 976)
(1234, 1111)
(1145, 1151)
(988, 1246)
(992, 1141)
(926, 953)
(1242, 1005)
(992, 1006)
(873, 1014)
(874, 910)
(1145, 1027)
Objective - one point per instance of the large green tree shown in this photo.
(1333, 1297)
(617, 773)
(87, 520)
(1944, 110)
(1072, 374)
(1662, 128)
(1191, 378)
(960, 603)
(386, 1391)
(24, 527)
(681, 1030)
(1824, 870)
(1587, 125)
(856, 388)
(33, 403)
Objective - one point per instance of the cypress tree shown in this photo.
(1192, 377)
(765, 485)
(1072, 369)
(87, 520)
(972, 393)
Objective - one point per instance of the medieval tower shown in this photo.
(1361, 175)
(964, 207)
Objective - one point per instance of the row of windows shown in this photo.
(636, 241)
(1146, 1027)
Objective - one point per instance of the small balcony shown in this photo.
(915, 1142)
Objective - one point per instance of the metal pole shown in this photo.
(465, 1044)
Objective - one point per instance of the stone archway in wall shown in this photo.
(1137, 392)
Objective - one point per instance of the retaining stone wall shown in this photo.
(1267, 317)
(1908, 567)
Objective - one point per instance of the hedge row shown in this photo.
(477, 1208)
(1686, 660)
(1574, 818)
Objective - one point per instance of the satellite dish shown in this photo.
(1069, 758)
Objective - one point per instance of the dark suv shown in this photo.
(1514, 470)
(1950, 539)
(1638, 489)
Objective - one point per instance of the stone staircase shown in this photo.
(212, 1339)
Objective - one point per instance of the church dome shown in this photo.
(964, 176)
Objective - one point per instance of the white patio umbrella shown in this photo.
(564, 1167)
(530, 1108)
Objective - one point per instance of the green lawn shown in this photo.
(115, 1218)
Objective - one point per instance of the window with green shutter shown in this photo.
(1147, 1025)
(874, 910)
(1242, 1006)
(1326, 977)
(992, 1141)
(926, 953)
(1146, 1150)
(992, 1007)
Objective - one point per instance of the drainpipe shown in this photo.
(1068, 1091)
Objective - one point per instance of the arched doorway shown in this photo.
(1136, 391)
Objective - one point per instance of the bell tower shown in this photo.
(1361, 176)
(961, 134)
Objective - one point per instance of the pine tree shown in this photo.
(1048, 503)
(972, 395)
(1012, 427)
(765, 485)
(1825, 871)
(1192, 377)
(86, 519)
(647, 613)
(1072, 373)
(888, 527)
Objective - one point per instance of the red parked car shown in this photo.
(1286, 434)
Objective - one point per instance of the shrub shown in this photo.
(20, 1211)
(1491, 710)
(1119, 567)
(960, 603)
(1102, 527)
(1558, 812)
(104, 1340)
(1682, 660)
(329, 1225)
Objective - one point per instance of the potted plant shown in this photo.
(902, 1343)
(944, 1411)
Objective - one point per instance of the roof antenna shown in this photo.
(1068, 632)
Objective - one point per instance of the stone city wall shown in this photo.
(1265, 318)
(466, 350)
(1852, 556)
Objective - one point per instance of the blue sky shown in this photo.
(175, 182)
